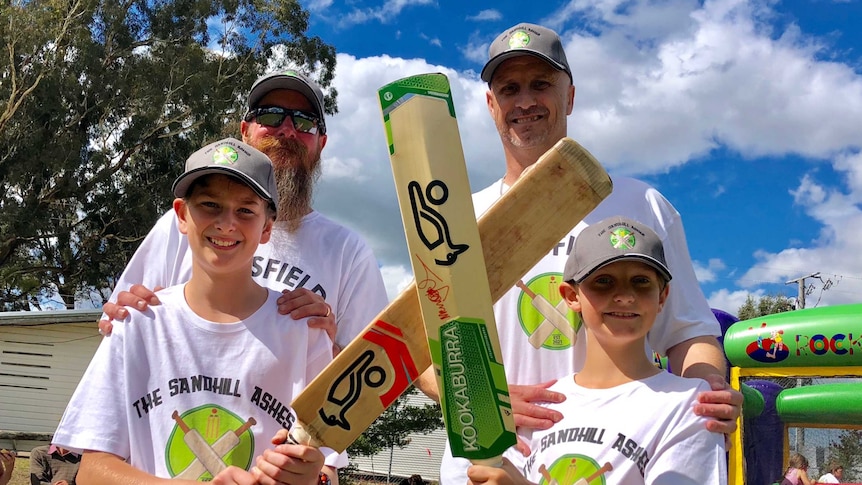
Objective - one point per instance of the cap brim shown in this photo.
(184, 181)
(493, 64)
(655, 264)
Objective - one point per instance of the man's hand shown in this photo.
(505, 475)
(529, 415)
(722, 403)
(302, 303)
(138, 297)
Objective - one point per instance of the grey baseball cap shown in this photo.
(614, 239)
(287, 79)
(235, 158)
(522, 39)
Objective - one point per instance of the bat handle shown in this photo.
(520, 284)
(182, 424)
(545, 474)
(248, 424)
(299, 436)
(601, 471)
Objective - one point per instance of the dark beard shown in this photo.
(295, 180)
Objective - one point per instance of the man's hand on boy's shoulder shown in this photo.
(722, 403)
(304, 303)
(299, 303)
(138, 296)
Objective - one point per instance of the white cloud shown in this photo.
(431, 40)
(486, 15)
(396, 279)
(730, 301)
(835, 252)
(708, 273)
(319, 5)
(653, 91)
(383, 14)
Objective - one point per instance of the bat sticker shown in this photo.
(438, 231)
(361, 371)
(347, 387)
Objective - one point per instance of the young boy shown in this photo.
(198, 386)
(625, 421)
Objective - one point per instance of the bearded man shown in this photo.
(325, 270)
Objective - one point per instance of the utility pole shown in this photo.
(800, 292)
(800, 304)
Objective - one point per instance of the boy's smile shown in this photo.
(620, 300)
(226, 221)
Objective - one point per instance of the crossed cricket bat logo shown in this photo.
(208, 458)
(569, 478)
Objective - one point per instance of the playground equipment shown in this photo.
(812, 352)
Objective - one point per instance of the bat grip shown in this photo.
(248, 424)
(299, 436)
(601, 471)
(520, 284)
(183, 426)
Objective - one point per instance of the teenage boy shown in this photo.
(199, 385)
(623, 418)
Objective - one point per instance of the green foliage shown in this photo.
(101, 101)
(847, 451)
(392, 429)
(765, 305)
(394, 426)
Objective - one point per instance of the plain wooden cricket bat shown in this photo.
(528, 221)
(446, 254)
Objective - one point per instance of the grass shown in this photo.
(21, 473)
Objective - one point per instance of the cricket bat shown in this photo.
(200, 448)
(554, 317)
(549, 480)
(222, 446)
(601, 471)
(446, 254)
(528, 221)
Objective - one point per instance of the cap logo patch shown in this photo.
(225, 155)
(622, 239)
(519, 40)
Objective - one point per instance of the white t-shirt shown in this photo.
(828, 478)
(685, 315)
(168, 365)
(660, 442)
(320, 255)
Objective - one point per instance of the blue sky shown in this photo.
(747, 115)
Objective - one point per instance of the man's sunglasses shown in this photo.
(274, 116)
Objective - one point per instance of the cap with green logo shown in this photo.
(614, 239)
(529, 39)
(236, 159)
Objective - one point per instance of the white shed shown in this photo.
(42, 358)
